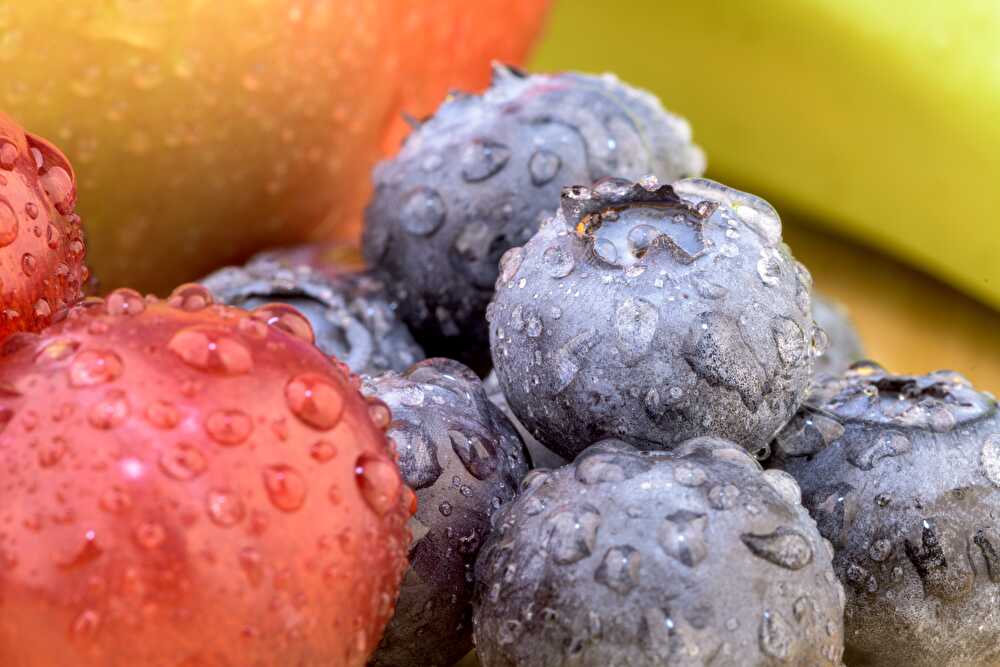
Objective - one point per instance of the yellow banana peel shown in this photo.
(881, 119)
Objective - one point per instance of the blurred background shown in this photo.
(203, 132)
(872, 130)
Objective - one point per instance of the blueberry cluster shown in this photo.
(716, 478)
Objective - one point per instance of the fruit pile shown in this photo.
(576, 405)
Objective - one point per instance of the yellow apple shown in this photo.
(205, 130)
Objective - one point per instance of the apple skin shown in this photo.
(42, 249)
(205, 131)
(185, 484)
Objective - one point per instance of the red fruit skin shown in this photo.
(182, 484)
(41, 241)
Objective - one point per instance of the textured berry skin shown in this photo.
(688, 557)
(902, 474)
(845, 346)
(41, 241)
(541, 456)
(183, 484)
(464, 460)
(348, 309)
(478, 177)
(654, 314)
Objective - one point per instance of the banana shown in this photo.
(880, 119)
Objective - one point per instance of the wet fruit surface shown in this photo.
(688, 557)
(263, 116)
(902, 474)
(654, 313)
(464, 460)
(41, 242)
(479, 176)
(186, 484)
(845, 346)
(346, 310)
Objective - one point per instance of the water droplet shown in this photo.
(58, 185)
(163, 414)
(880, 550)
(723, 496)
(110, 412)
(483, 158)
(286, 487)
(115, 500)
(182, 461)
(558, 262)
(211, 351)
(225, 507)
(28, 264)
(422, 212)
(571, 535)
(229, 427)
(287, 318)
(784, 547)
(412, 396)
(8, 154)
(688, 474)
(87, 551)
(191, 297)
(322, 451)
(603, 468)
(445, 508)
(785, 485)
(315, 399)
(641, 239)
(251, 562)
(378, 481)
(52, 452)
(8, 224)
(790, 341)
(150, 535)
(477, 454)
(776, 635)
(682, 536)
(543, 166)
(635, 325)
(867, 453)
(619, 569)
(86, 624)
(31, 208)
(729, 250)
(990, 457)
(605, 250)
(124, 301)
(510, 262)
(769, 267)
(94, 367)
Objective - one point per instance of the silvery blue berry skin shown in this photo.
(541, 456)
(845, 346)
(478, 177)
(693, 556)
(464, 460)
(654, 314)
(350, 311)
(902, 474)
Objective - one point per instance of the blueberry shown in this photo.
(654, 314)
(541, 456)
(686, 557)
(902, 474)
(845, 346)
(350, 313)
(477, 178)
(464, 460)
